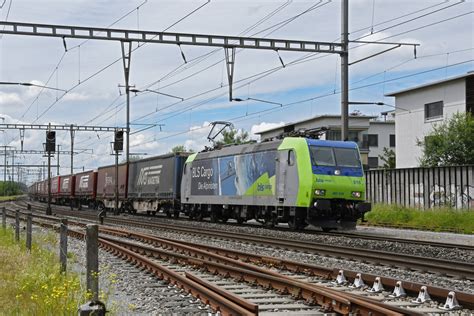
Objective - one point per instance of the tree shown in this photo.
(450, 143)
(233, 136)
(388, 157)
(10, 188)
(180, 149)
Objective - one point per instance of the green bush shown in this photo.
(10, 188)
(437, 219)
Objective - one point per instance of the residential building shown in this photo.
(420, 107)
(371, 135)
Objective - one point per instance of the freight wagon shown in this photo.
(154, 184)
(106, 179)
(66, 190)
(85, 189)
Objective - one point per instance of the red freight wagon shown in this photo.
(106, 185)
(85, 188)
(55, 186)
(66, 191)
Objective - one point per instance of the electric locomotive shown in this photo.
(296, 180)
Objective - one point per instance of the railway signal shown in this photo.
(50, 141)
(118, 141)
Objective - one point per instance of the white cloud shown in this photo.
(76, 96)
(263, 127)
(10, 99)
(23, 58)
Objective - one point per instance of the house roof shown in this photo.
(433, 83)
(316, 118)
(383, 122)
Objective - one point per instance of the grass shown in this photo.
(30, 283)
(437, 219)
(9, 198)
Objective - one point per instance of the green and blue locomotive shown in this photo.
(296, 180)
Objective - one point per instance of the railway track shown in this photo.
(289, 295)
(433, 265)
(302, 270)
(309, 232)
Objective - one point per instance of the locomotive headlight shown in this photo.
(356, 194)
(320, 192)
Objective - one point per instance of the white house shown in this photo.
(420, 107)
(371, 135)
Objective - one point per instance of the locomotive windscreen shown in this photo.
(334, 156)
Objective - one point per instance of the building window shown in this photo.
(392, 140)
(336, 135)
(373, 162)
(433, 110)
(373, 140)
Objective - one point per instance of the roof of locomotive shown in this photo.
(331, 143)
(268, 145)
(240, 149)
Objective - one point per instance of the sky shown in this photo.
(88, 74)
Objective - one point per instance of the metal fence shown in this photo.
(423, 187)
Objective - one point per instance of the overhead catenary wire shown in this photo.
(318, 57)
(329, 93)
(212, 52)
(90, 77)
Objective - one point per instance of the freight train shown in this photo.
(293, 180)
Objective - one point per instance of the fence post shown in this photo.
(4, 218)
(17, 225)
(28, 230)
(92, 260)
(63, 244)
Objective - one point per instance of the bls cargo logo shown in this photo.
(84, 182)
(149, 175)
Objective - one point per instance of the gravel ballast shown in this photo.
(392, 272)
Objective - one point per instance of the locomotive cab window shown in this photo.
(329, 156)
(322, 156)
(347, 157)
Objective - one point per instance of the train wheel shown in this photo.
(224, 219)
(292, 223)
(153, 213)
(327, 229)
(176, 214)
(213, 217)
(240, 220)
(168, 213)
(199, 217)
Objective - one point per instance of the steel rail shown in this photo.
(344, 234)
(466, 299)
(208, 293)
(439, 266)
(330, 300)
(411, 287)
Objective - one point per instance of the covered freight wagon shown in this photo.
(66, 191)
(106, 179)
(154, 184)
(85, 188)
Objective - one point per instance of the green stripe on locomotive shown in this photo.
(335, 186)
